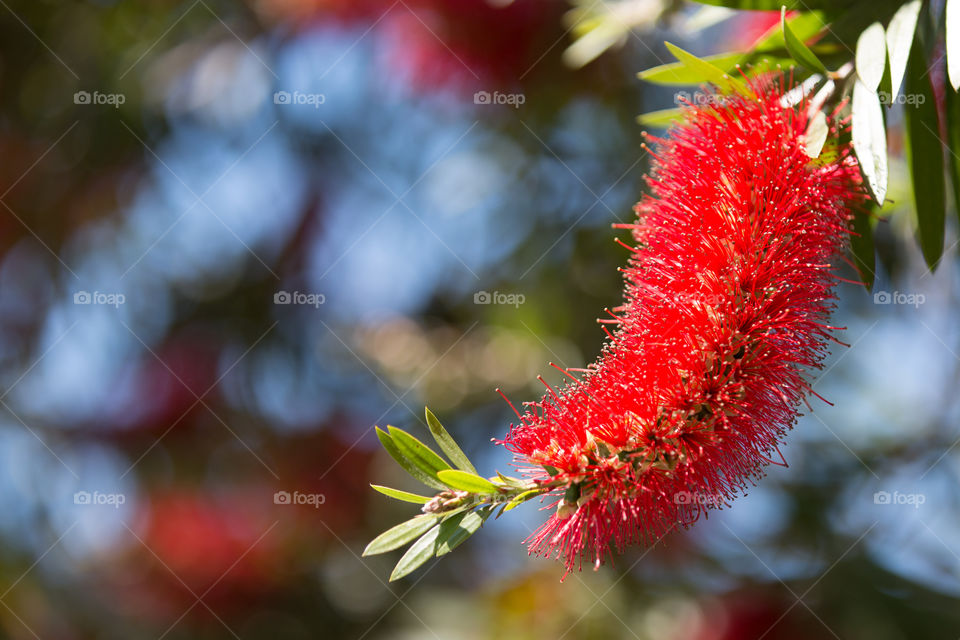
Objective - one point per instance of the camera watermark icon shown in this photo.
(909, 99)
(296, 297)
(698, 98)
(885, 497)
(297, 97)
(512, 99)
(99, 297)
(96, 499)
(297, 498)
(897, 297)
(695, 497)
(112, 99)
(486, 297)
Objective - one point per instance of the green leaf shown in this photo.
(447, 444)
(408, 465)
(805, 25)
(800, 52)
(516, 483)
(418, 453)
(830, 154)
(461, 530)
(660, 119)
(707, 71)
(397, 536)
(405, 496)
(953, 43)
(418, 553)
(465, 481)
(953, 138)
(520, 499)
(861, 246)
(872, 56)
(925, 156)
(900, 34)
(816, 135)
(448, 528)
(678, 73)
(870, 139)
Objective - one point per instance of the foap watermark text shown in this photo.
(299, 498)
(512, 99)
(913, 499)
(898, 297)
(112, 99)
(99, 297)
(695, 497)
(697, 98)
(496, 297)
(97, 499)
(909, 99)
(298, 97)
(297, 297)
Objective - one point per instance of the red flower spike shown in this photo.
(728, 292)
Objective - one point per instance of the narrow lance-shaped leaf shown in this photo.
(797, 94)
(861, 246)
(516, 483)
(872, 56)
(870, 139)
(709, 72)
(800, 52)
(900, 35)
(660, 119)
(804, 25)
(463, 529)
(953, 139)
(465, 481)
(678, 73)
(417, 452)
(520, 499)
(953, 43)
(397, 536)
(397, 494)
(925, 156)
(418, 553)
(768, 52)
(408, 465)
(448, 445)
(816, 135)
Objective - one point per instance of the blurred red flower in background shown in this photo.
(753, 614)
(236, 547)
(470, 43)
(463, 44)
(750, 26)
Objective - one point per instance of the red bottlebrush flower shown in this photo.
(728, 292)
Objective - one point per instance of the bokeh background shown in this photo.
(235, 236)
